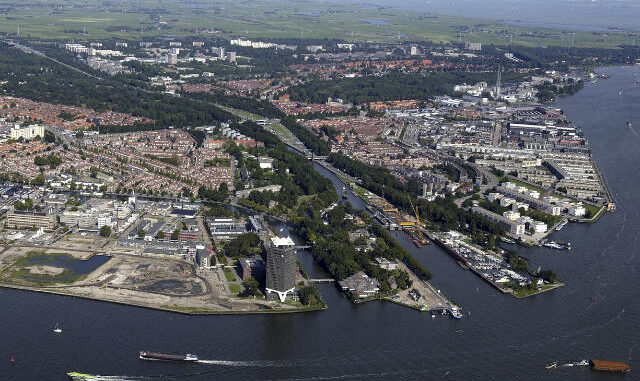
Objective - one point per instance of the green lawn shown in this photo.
(594, 211)
(229, 275)
(525, 292)
(235, 288)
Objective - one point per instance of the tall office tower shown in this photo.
(281, 268)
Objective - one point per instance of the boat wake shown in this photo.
(577, 363)
(114, 378)
(239, 363)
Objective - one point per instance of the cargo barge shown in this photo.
(609, 366)
(151, 356)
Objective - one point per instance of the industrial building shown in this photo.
(225, 228)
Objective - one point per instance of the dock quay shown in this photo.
(422, 296)
(490, 267)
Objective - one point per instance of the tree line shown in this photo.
(393, 86)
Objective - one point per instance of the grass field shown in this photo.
(228, 275)
(523, 293)
(265, 19)
(234, 288)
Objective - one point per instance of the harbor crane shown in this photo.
(419, 225)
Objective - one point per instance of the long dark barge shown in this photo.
(151, 356)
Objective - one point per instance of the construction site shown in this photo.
(393, 219)
(103, 271)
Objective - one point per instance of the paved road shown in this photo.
(497, 133)
(27, 49)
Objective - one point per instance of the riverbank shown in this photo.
(184, 310)
(131, 279)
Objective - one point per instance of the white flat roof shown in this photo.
(282, 241)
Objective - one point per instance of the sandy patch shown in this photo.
(45, 270)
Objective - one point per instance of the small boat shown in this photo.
(552, 365)
(552, 245)
(344, 192)
(455, 313)
(76, 376)
(507, 240)
(620, 92)
(628, 124)
(57, 329)
(12, 361)
(433, 316)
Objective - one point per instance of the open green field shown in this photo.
(228, 275)
(523, 293)
(265, 19)
(235, 288)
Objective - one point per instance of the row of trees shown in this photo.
(260, 107)
(394, 86)
(244, 244)
(391, 249)
(317, 146)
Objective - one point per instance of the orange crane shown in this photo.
(419, 226)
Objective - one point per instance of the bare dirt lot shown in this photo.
(154, 282)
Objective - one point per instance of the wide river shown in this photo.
(595, 316)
